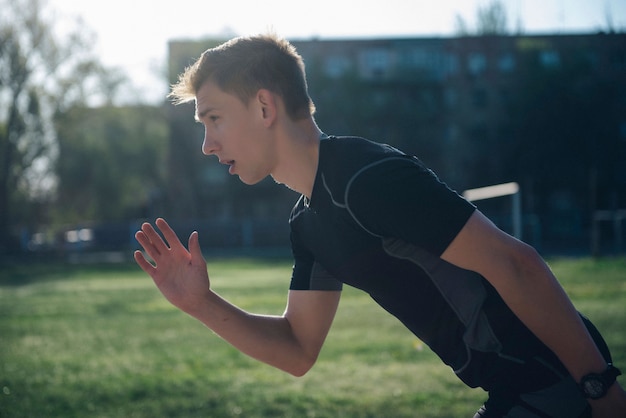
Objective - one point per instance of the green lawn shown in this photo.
(102, 342)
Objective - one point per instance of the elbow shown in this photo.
(527, 259)
(298, 372)
(525, 265)
(301, 367)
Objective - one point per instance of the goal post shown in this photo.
(505, 189)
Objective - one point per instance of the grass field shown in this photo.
(100, 341)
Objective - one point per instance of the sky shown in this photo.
(132, 34)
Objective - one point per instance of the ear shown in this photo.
(268, 106)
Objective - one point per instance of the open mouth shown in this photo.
(229, 163)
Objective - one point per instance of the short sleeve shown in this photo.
(308, 274)
(399, 197)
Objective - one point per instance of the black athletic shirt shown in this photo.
(379, 220)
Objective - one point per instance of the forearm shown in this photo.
(555, 321)
(529, 288)
(269, 339)
(536, 297)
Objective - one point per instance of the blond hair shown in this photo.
(243, 66)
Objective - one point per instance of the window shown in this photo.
(549, 59)
(431, 62)
(375, 62)
(450, 64)
(336, 65)
(480, 98)
(451, 133)
(476, 63)
(450, 97)
(506, 62)
(421, 58)
(506, 97)
(592, 59)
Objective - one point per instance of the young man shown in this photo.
(377, 219)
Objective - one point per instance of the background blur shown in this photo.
(483, 92)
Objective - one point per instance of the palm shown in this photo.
(179, 274)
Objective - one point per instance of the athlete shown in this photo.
(379, 220)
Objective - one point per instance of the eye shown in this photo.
(206, 118)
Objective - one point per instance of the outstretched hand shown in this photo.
(181, 275)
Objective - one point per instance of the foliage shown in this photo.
(101, 341)
(41, 74)
(111, 163)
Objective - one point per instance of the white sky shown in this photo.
(133, 34)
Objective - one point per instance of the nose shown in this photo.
(209, 146)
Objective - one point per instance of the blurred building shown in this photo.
(546, 111)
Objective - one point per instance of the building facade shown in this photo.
(546, 111)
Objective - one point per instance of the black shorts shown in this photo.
(561, 400)
(555, 395)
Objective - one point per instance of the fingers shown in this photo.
(143, 263)
(153, 244)
(150, 241)
(194, 248)
(168, 233)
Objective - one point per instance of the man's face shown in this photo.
(235, 132)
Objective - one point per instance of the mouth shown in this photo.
(230, 164)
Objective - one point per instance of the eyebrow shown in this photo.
(198, 116)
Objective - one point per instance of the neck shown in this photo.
(298, 153)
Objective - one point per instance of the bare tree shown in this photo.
(491, 19)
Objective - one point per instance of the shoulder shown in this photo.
(398, 196)
(344, 158)
(358, 148)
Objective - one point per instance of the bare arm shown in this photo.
(532, 292)
(290, 342)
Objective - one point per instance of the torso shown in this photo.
(378, 220)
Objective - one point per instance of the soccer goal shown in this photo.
(500, 190)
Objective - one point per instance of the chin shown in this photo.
(250, 181)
